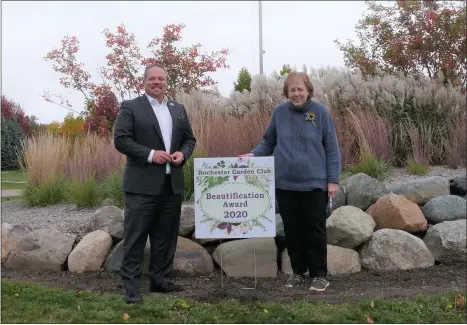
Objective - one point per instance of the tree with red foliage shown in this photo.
(10, 110)
(102, 111)
(122, 77)
(123, 69)
(73, 74)
(420, 37)
(186, 68)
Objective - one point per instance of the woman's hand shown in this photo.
(246, 155)
(332, 190)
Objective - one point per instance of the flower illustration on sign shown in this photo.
(238, 165)
(236, 228)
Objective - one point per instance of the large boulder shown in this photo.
(340, 200)
(422, 190)
(190, 258)
(349, 227)
(11, 235)
(110, 220)
(187, 220)
(238, 257)
(340, 261)
(44, 249)
(458, 185)
(445, 208)
(391, 250)
(90, 253)
(447, 241)
(363, 190)
(397, 212)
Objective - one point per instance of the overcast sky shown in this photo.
(296, 33)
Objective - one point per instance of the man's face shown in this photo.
(155, 83)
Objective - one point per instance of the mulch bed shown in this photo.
(344, 288)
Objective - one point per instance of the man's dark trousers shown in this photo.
(156, 216)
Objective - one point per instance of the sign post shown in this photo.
(234, 198)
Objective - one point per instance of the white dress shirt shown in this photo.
(165, 122)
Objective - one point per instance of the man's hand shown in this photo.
(161, 157)
(332, 190)
(177, 158)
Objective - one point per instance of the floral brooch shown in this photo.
(310, 116)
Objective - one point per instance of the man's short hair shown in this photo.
(154, 65)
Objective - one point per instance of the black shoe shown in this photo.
(133, 297)
(169, 287)
(294, 281)
(319, 284)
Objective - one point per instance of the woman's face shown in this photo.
(298, 92)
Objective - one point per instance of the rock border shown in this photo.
(371, 226)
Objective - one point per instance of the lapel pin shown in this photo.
(171, 104)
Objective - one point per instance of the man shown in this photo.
(156, 136)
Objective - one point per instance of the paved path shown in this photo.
(10, 193)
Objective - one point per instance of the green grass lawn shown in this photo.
(17, 176)
(13, 186)
(31, 303)
(10, 181)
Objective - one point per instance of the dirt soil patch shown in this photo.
(344, 288)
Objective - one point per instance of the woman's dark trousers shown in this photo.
(304, 217)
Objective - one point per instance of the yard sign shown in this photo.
(234, 197)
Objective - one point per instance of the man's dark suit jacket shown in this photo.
(137, 132)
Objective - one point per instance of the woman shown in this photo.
(302, 138)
